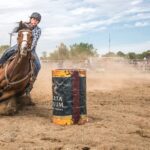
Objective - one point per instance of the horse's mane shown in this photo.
(21, 26)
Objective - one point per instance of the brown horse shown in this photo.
(18, 71)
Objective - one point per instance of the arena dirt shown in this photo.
(118, 104)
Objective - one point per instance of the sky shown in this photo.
(90, 21)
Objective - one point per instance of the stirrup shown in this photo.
(28, 93)
(28, 90)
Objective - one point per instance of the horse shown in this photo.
(17, 73)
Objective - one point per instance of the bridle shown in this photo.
(24, 41)
(24, 46)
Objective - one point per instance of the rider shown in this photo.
(35, 18)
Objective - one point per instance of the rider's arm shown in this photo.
(36, 35)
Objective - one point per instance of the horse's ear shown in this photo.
(24, 25)
(20, 25)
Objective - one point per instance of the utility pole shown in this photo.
(11, 34)
(109, 42)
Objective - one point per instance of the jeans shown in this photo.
(36, 62)
(10, 51)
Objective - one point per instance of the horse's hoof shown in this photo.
(8, 107)
(25, 101)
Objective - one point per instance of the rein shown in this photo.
(30, 74)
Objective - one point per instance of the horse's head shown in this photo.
(24, 41)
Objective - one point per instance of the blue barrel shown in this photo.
(69, 96)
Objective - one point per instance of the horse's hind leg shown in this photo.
(8, 107)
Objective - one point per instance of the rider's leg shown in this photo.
(37, 65)
(8, 53)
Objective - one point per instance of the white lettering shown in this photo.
(57, 98)
(58, 104)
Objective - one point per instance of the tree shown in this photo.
(109, 54)
(82, 50)
(61, 53)
(132, 55)
(3, 48)
(54, 55)
(120, 54)
(145, 54)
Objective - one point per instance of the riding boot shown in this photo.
(30, 86)
(27, 91)
(28, 95)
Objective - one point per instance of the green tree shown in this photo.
(121, 54)
(132, 55)
(109, 54)
(82, 50)
(145, 54)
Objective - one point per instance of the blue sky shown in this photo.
(75, 21)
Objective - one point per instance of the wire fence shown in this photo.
(99, 64)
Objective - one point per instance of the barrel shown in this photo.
(69, 96)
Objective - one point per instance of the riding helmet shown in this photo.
(36, 15)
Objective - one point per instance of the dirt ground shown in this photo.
(118, 105)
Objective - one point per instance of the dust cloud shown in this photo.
(103, 75)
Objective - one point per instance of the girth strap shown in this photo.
(21, 80)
